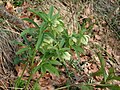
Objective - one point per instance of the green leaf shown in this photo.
(31, 21)
(29, 30)
(50, 12)
(43, 16)
(71, 42)
(51, 69)
(102, 62)
(84, 39)
(111, 74)
(114, 87)
(17, 43)
(17, 60)
(77, 52)
(78, 49)
(64, 49)
(111, 87)
(56, 16)
(20, 83)
(40, 36)
(50, 35)
(62, 42)
(86, 87)
(1, 20)
(111, 71)
(39, 42)
(98, 73)
(116, 78)
(22, 50)
(54, 62)
(43, 69)
(40, 14)
(35, 69)
(36, 86)
(46, 55)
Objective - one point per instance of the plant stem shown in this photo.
(26, 87)
(22, 74)
(38, 79)
(34, 53)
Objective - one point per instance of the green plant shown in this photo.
(18, 2)
(51, 41)
(107, 77)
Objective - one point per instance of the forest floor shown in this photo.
(104, 18)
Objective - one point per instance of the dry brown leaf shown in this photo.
(36, 75)
(93, 68)
(48, 87)
(9, 7)
(98, 78)
(87, 11)
(97, 37)
(19, 70)
(58, 81)
(96, 27)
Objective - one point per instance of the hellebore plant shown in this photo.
(51, 41)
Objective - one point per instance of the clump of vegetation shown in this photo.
(52, 42)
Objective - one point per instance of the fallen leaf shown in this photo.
(20, 69)
(87, 10)
(9, 7)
